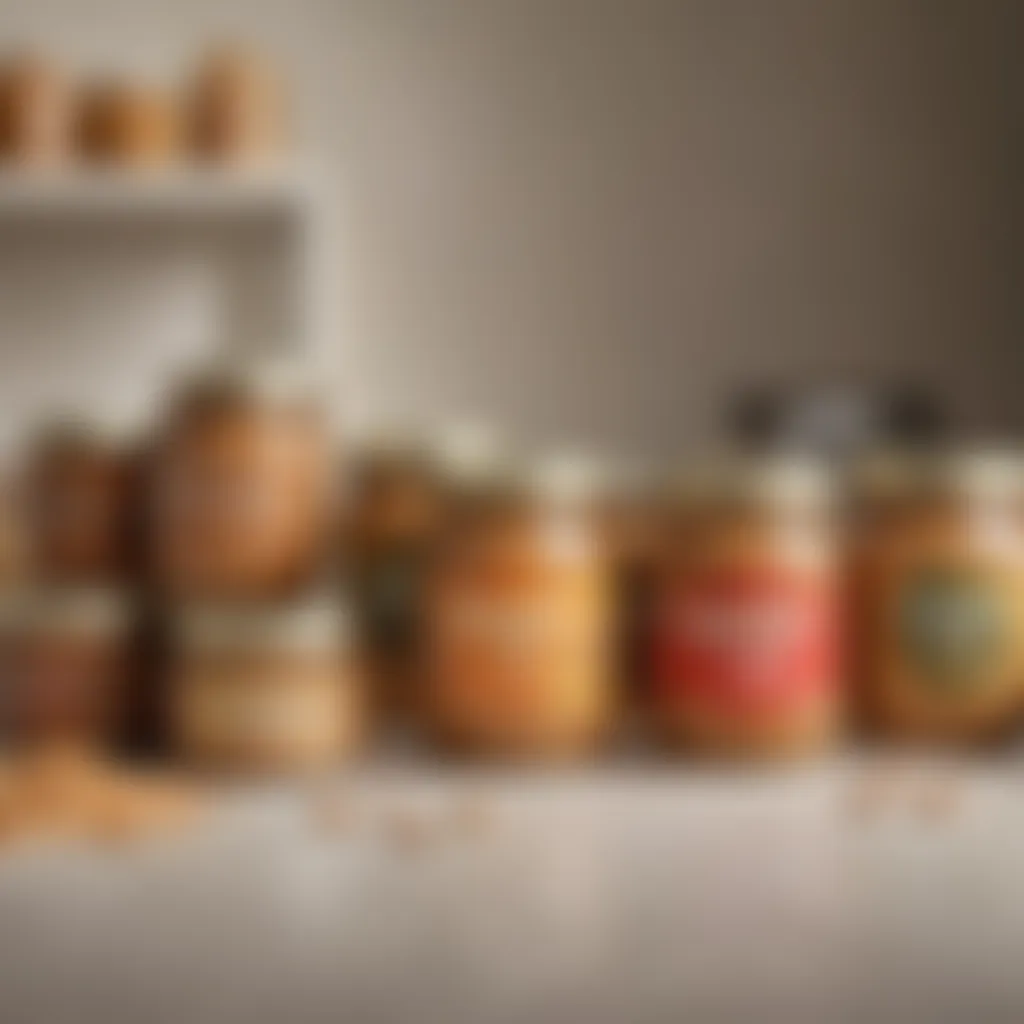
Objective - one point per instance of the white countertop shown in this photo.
(632, 896)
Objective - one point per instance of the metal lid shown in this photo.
(984, 473)
(768, 481)
(312, 625)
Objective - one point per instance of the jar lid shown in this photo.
(87, 611)
(985, 473)
(770, 481)
(307, 626)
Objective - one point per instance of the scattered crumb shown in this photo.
(938, 799)
(407, 831)
(473, 816)
(332, 815)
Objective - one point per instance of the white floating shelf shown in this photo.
(185, 192)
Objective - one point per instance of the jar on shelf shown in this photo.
(129, 124)
(67, 660)
(237, 108)
(35, 113)
(81, 504)
(243, 485)
(743, 631)
(519, 645)
(939, 588)
(264, 689)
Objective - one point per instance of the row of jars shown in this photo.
(232, 111)
(511, 607)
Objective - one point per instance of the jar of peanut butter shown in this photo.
(80, 489)
(35, 113)
(243, 485)
(400, 504)
(744, 614)
(939, 578)
(519, 645)
(238, 108)
(264, 689)
(67, 660)
(130, 124)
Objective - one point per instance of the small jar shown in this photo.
(519, 634)
(237, 107)
(129, 125)
(744, 615)
(80, 493)
(243, 486)
(399, 508)
(264, 689)
(939, 578)
(35, 114)
(67, 660)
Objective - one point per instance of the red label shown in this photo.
(745, 641)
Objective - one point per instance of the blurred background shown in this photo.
(588, 218)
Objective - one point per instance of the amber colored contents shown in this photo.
(237, 109)
(81, 504)
(35, 113)
(130, 125)
(391, 524)
(265, 712)
(66, 664)
(519, 633)
(940, 616)
(243, 499)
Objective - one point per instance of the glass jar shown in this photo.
(939, 577)
(67, 661)
(744, 616)
(35, 113)
(80, 494)
(264, 689)
(519, 644)
(400, 506)
(237, 108)
(129, 124)
(243, 486)
(396, 511)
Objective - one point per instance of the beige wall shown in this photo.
(594, 218)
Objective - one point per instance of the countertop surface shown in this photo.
(842, 892)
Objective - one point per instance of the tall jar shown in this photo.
(939, 574)
(67, 659)
(744, 616)
(80, 490)
(519, 635)
(264, 689)
(36, 113)
(243, 486)
(399, 507)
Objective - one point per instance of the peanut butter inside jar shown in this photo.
(265, 689)
(66, 661)
(742, 634)
(519, 619)
(939, 576)
(243, 486)
(81, 488)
